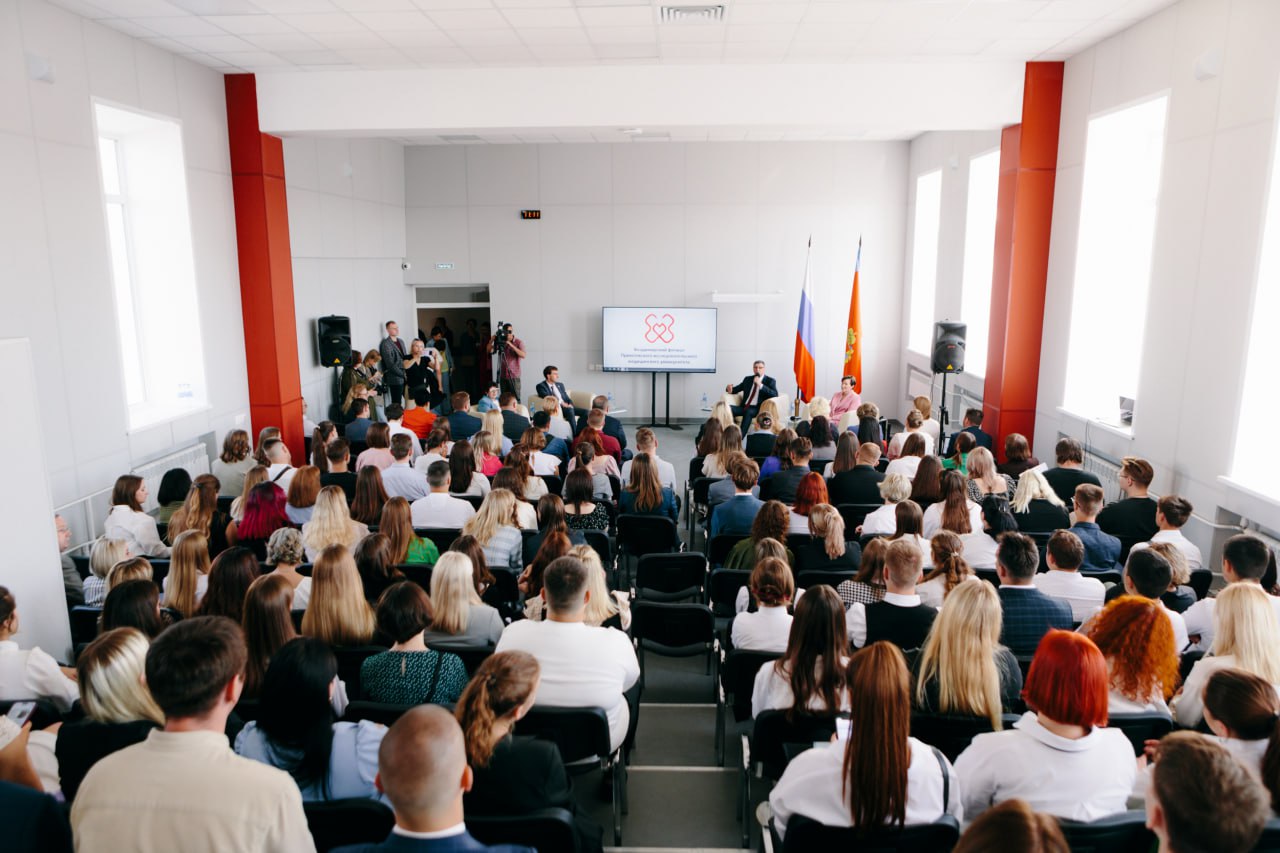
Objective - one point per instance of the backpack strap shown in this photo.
(946, 778)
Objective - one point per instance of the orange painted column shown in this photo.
(266, 268)
(1024, 218)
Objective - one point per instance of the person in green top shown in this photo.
(406, 546)
(768, 539)
(410, 673)
(960, 461)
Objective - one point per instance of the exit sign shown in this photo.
(531, 214)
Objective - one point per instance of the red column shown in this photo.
(1024, 216)
(266, 268)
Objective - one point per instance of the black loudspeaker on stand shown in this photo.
(333, 340)
(947, 357)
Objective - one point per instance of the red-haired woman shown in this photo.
(811, 492)
(1058, 757)
(880, 775)
(1136, 638)
(264, 514)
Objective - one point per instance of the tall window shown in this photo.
(979, 252)
(924, 261)
(144, 186)
(1257, 424)
(1124, 151)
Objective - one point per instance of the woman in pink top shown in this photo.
(845, 400)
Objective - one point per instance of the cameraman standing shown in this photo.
(510, 350)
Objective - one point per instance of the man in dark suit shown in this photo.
(461, 424)
(612, 426)
(422, 769)
(1029, 614)
(513, 423)
(737, 514)
(392, 351)
(551, 386)
(861, 483)
(972, 424)
(755, 389)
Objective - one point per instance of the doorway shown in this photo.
(458, 305)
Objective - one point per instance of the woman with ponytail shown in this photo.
(1243, 711)
(513, 776)
(949, 568)
(767, 630)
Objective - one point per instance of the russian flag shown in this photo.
(804, 364)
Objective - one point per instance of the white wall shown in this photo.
(56, 287)
(665, 224)
(1218, 150)
(346, 229)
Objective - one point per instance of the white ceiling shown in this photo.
(291, 35)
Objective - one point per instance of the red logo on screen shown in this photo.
(659, 329)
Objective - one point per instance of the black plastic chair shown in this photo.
(443, 537)
(952, 733)
(82, 566)
(555, 484)
(1141, 727)
(419, 573)
(1106, 576)
(504, 594)
(805, 835)
(670, 577)
(248, 710)
(1201, 580)
(675, 630)
(1118, 833)
(718, 547)
(855, 514)
(159, 570)
(722, 590)
(472, 656)
(580, 734)
(818, 466)
(546, 830)
(225, 502)
(336, 823)
(1270, 840)
(84, 623)
(350, 659)
(645, 534)
(765, 752)
(695, 471)
(599, 541)
(385, 713)
(817, 577)
(700, 497)
(738, 670)
(474, 500)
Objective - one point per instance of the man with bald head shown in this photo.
(422, 770)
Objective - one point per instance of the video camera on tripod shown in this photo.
(501, 337)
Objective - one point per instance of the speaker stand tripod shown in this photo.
(942, 417)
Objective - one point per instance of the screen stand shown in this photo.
(653, 404)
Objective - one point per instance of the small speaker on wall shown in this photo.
(948, 347)
(333, 340)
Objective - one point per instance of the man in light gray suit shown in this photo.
(392, 351)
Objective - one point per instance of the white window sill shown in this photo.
(1247, 502)
(1097, 423)
(144, 417)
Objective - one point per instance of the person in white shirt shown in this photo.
(400, 479)
(768, 629)
(1058, 757)
(818, 644)
(1137, 640)
(582, 666)
(543, 463)
(1244, 560)
(950, 569)
(281, 469)
(1241, 710)
(1065, 555)
(915, 425)
(950, 512)
(438, 448)
(1148, 574)
(894, 488)
(647, 442)
(128, 522)
(439, 509)
(183, 788)
(30, 673)
(394, 413)
(1172, 512)
(909, 460)
(901, 617)
(1199, 797)
(873, 773)
(930, 427)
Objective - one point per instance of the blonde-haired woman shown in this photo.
(1248, 637)
(105, 554)
(770, 407)
(118, 708)
(460, 617)
(894, 488)
(488, 451)
(332, 524)
(722, 413)
(930, 426)
(557, 425)
(1036, 506)
(717, 464)
(496, 526)
(984, 479)
(337, 613)
(610, 609)
(188, 578)
(491, 422)
(963, 669)
(828, 549)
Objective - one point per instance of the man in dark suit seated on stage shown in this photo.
(422, 769)
(973, 425)
(612, 426)
(461, 424)
(551, 386)
(1029, 614)
(755, 389)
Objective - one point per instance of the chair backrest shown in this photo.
(578, 733)
(350, 659)
(1141, 727)
(335, 823)
(950, 733)
(718, 547)
(1201, 579)
(818, 466)
(817, 577)
(472, 656)
(225, 502)
(385, 713)
(159, 571)
(804, 834)
(673, 628)
(739, 678)
(555, 485)
(670, 577)
(615, 485)
(419, 573)
(695, 469)
(1105, 577)
(855, 514)
(1117, 833)
(442, 537)
(647, 534)
(773, 731)
(723, 589)
(82, 565)
(545, 830)
(84, 623)
(599, 541)
(474, 500)
(701, 488)
(1270, 840)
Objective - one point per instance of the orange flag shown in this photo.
(853, 337)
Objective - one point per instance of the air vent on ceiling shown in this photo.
(692, 14)
(459, 137)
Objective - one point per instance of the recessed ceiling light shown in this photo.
(631, 131)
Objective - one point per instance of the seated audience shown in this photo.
(187, 582)
(284, 554)
(1134, 517)
(1070, 472)
(1059, 756)
(827, 549)
(267, 626)
(1180, 596)
(1172, 512)
(1247, 638)
(908, 522)
(509, 478)
(357, 429)
(322, 435)
(461, 618)
(763, 435)
(1244, 561)
(1142, 663)
(543, 464)
(554, 545)
(946, 552)
(595, 434)
(1242, 710)
(881, 775)
(766, 630)
(900, 617)
(972, 426)
(1018, 458)
(957, 458)
(550, 517)
(869, 425)
(582, 509)
(894, 489)
(378, 453)
(30, 674)
(174, 486)
(233, 463)
(582, 666)
(984, 479)
(518, 460)
(439, 509)
(184, 782)
(280, 468)
(439, 447)
(265, 512)
(264, 435)
(132, 569)
(811, 492)
(332, 524)
(962, 669)
(771, 522)
(338, 468)
(127, 521)
(419, 418)
(300, 503)
(1064, 555)
(298, 732)
(1201, 798)
(337, 613)
(106, 552)
(1148, 574)
(810, 676)
(784, 485)
(406, 545)
(229, 580)
(604, 608)
(200, 512)
(1029, 614)
(853, 475)
(779, 458)
(926, 487)
(1101, 550)
(373, 562)
(400, 478)
(907, 462)
(1013, 825)
(914, 426)
(465, 478)
(647, 442)
(645, 493)
(118, 708)
(821, 432)
(497, 528)
(487, 447)
(955, 511)
(867, 586)
(493, 423)
(134, 604)
(707, 442)
(410, 673)
(716, 464)
(586, 458)
(736, 515)
(481, 578)
(1036, 507)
